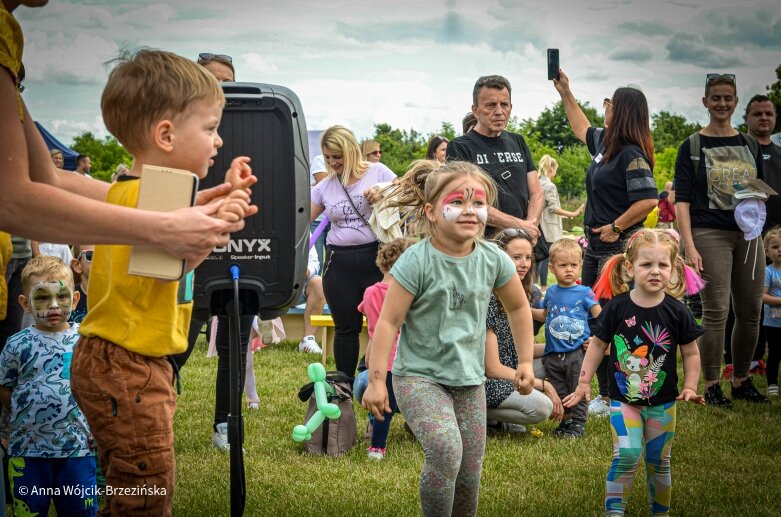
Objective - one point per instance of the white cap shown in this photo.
(750, 214)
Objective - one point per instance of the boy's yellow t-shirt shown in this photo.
(138, 313)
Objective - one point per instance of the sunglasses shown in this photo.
(86, 255)
(606, 103)
(208, 56)
(709, 78)
(509, 234)
(377, 152)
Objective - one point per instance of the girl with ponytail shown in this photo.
(644, 326)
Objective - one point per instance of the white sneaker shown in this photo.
(598, 407)
(220, 438)
(265, 332)
(309, 345)
(772, 390)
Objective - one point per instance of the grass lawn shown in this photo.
(724, 463)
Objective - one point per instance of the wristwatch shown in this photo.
(616, 229)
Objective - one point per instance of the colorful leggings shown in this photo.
(631, 426)
(449, 422)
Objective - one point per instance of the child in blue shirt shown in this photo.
(568, 307)
(48, 447)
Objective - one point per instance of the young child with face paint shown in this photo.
(438, 295)
(49, 439)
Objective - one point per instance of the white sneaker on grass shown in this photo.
(598, 407)
(309, 345)
(220, 438)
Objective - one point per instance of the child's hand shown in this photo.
(524, 378)
(240, 174)
(236, 207)
(375, 399)
(583, 391)
(558, 409)
(372, 195)
(689, 395)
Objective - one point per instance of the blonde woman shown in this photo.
(352, 246)
(370, 149)
(550, 222)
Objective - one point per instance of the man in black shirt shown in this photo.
(760, 118)
(503, 155)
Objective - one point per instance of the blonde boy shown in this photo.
(48, 445)
(568, 307)
(165, 110)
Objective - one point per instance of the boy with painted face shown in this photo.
(49, 439)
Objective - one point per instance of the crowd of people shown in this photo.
(453, 246)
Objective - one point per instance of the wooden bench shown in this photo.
(293, 321)
(327, 339)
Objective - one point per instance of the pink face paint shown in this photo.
(474, 200)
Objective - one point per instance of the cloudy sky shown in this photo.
(411, 64)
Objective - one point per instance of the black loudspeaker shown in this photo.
(266, 123)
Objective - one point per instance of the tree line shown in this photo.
(549, 133)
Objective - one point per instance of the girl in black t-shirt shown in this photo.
(644, 326)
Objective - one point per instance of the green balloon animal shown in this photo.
(325, 409)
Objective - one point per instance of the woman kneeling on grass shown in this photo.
(645, 326)
(442, 285)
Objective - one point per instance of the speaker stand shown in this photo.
(233, 309)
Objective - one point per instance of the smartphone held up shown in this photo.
(553, 64)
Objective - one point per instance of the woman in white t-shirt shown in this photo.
(352, 246)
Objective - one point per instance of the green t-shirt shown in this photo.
(443, 336)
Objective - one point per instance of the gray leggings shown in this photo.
(730, 264)
(449, 422)
(522, 409)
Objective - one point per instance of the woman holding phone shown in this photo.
(620, 187)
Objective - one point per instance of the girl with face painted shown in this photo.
(439, 289)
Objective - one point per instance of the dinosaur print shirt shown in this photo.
(643, 352)
(45, 420)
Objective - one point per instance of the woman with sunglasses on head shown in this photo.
(352, 246)
(620, 187)
(507, 409)
(714, 243)
(220, 65)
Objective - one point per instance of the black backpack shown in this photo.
(695, 146)
(333, 437)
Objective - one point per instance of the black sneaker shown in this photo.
(562, 428)
(715, 397)
(749, 393)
